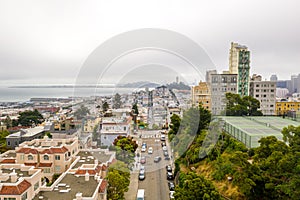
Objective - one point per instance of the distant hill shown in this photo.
(178, 86)
(139, 84)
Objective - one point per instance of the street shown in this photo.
(155, 183)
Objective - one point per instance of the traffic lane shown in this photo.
(155, 183)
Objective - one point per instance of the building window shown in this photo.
(36, 185)
(46, 157)
(57, 157)
(46, 170)
(30, 157)
(57, 169)
(8, 143)
(21, 157)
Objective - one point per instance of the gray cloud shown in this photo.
(48, 41)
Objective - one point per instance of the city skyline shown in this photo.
(48, 42)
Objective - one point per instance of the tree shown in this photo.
(125, 148)
(193, 187)
(105, 106)
(8, 122)
(135, 109)
(118, 181)
(27, 118)
(81, 112)
(117, 101)
(237, 106)
(175, 123)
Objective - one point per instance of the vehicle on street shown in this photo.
(157, 159)
(150, 150)
(170, 176)
(142, 175)
(171, 194)
(169, 168)
(140, 194)
(144, 144)
(165, 148)
(163, 144)
(143, 160)
(143, 149)
(142, 167)
(166, 154)
(171, 186)
(163, 138)
(167, 158)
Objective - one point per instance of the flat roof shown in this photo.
(69, 186)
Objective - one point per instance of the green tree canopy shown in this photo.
(118, 181)
(81, 112)
(27, 118)
(105, 106)
(193, 187)
(117, 101)
(237, 106)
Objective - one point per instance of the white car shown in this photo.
(171, 194)
(150, 150)
(143, 149)
(165, 148)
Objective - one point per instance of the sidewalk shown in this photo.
(133, 186)
(134, 182)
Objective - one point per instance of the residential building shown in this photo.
(13, 140)
(19, 182)
(282, 92)
(111, 128)
(239, 63)
(53, 156)
(265, 93)
(201, 94)
(220, 85)
(284, 106)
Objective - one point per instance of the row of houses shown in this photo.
(29, 171)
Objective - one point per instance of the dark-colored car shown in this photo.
(169, 168)
(170, 176)
(171, 186)
(167, 158)
(163, 144)
(157, 159)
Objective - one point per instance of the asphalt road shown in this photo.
(155, 183)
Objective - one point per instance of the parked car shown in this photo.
(171, 186)
(143, 149)
(167, 158)
(169, 168)
(143, 160)
(163, 144)
(157, 159)
(171, 194)
(150, 150)
(163, 138)
(142, 175)
(166, 154)
(165, 148)
(144, 144)
(170, 176)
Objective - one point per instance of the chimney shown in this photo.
(78, 196)
(13, 177)
(86, 176)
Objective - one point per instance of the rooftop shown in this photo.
(69, 186)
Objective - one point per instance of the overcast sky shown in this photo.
(46, 42)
